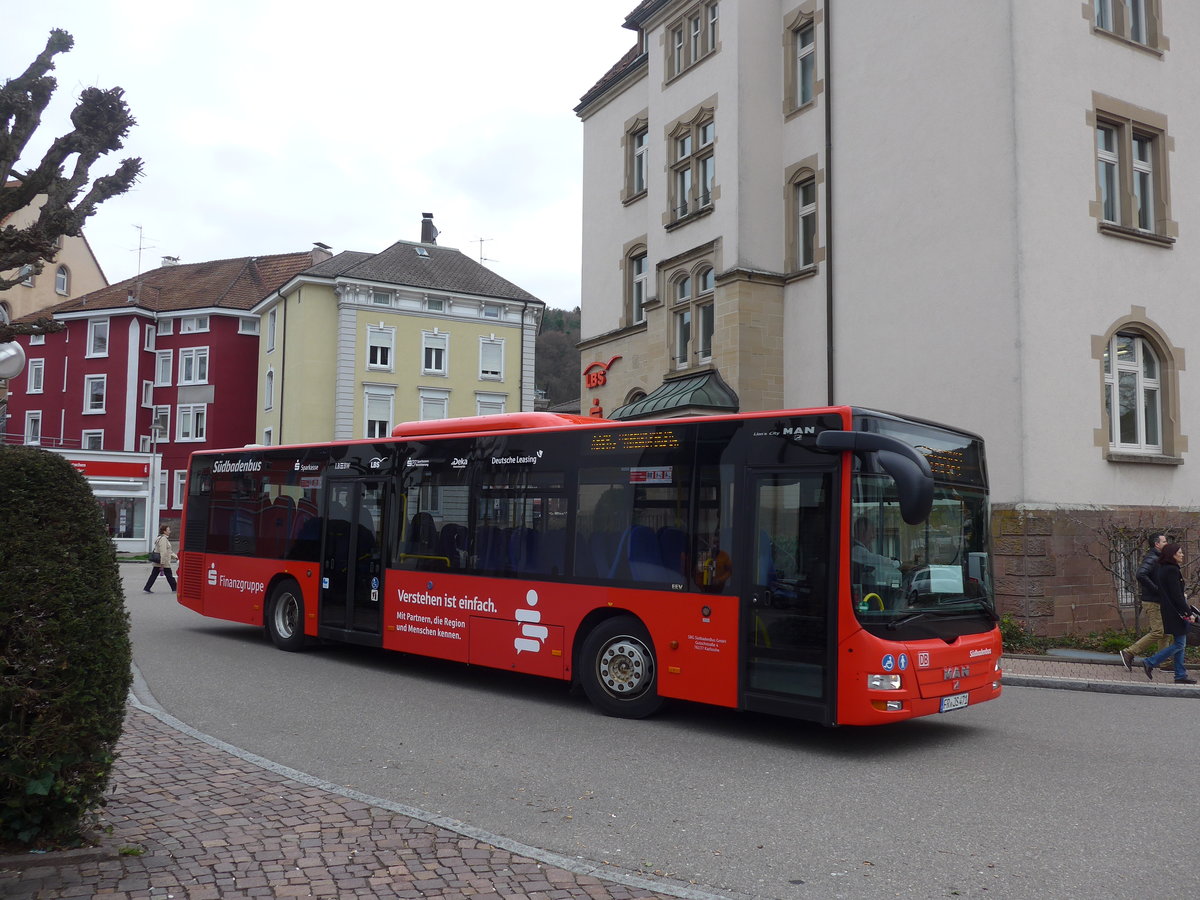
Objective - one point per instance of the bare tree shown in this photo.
(101, 120)
(1117, 540)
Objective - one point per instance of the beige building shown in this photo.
(363, 341)
(73, 272)
(976, 213)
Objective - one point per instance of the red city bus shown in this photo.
(827, 564)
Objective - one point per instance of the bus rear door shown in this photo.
(788, 648)
(352, 561)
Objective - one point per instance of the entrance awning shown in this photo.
(703, 394)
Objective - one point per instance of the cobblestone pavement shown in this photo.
(190, 819)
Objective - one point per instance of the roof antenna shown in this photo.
(482, 258)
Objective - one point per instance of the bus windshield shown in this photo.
(935, 575)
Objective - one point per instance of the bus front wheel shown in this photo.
(619, 671)
(285, 616)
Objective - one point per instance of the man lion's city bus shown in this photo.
(827, 564)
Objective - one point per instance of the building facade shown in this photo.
(973, 213)
(364, 341)
(146, 372)
(73, 272)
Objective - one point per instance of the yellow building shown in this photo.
(363, 341)
(73, 272)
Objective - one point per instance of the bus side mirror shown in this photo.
(903, 464)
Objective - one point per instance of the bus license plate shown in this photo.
(956, 701)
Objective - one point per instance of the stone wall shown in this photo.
(1049, 565)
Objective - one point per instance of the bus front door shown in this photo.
(787, 638)
(352, 561)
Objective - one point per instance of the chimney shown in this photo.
(428, 232)
(170, 261)
(320, 252)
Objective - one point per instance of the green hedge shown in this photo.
(64, 651)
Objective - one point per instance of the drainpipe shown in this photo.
(829, 366)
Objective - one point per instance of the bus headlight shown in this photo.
(883, 682)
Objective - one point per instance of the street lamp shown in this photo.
(156, 431)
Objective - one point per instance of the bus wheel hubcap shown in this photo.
(285, 615)
(625, 667)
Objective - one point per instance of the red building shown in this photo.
(146, 372)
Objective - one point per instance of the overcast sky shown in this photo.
(265, 126)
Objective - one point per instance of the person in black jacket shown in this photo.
(1155, 636)
(1175, 612)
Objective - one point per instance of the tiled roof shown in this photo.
(235, 284)
(442, 268)
(611, 76)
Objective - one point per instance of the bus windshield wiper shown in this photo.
(938, 613)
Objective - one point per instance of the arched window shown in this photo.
(62, 280)
(1133, 386)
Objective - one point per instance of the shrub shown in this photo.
(64, 651)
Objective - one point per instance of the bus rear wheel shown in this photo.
(619, 672)
(285, 616)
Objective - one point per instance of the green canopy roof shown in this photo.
(706, 392)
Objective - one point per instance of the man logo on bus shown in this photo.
(534, 634)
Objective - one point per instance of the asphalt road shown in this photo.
(1040, 794)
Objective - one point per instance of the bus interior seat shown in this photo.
(422, 535)
(645, 558)
(672, 546)
(452, 544)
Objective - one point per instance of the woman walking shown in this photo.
(1175, 613)
(162, 546)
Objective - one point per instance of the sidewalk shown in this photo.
(191, 817)
(192, 820)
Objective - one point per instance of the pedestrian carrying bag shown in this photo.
(154, 557)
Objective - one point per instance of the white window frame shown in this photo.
(88, 381)
(490, 311)
(164, 367)
(33, 427)
(96, 434)
(268, 437)
(640, 143)
(187, 415)
(433, 400)
(180, 488)
(164, 488)
(98, 331)
(151, 334)
(193, 325)
(195, 359)
(271, 323)
(62, 281)
(247, 325)
(490, 404)
(147, 394)
(383, 340)
(639, 283)
(381, 297)
(432, 353)
(161, 416)
(1108, 171)
(36, 382)
(435, 304)
(372, 396)
(269, 389)
(804, 39)
(166, 327)
(806, 222)
(1133, 368)
(491, 374)
(36, 340)
(683, 338)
